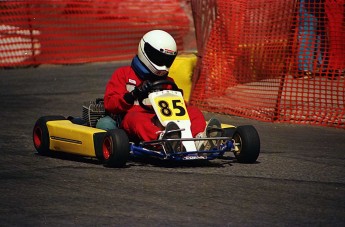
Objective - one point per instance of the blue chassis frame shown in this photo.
(140, 150)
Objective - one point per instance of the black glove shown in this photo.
(142, 90)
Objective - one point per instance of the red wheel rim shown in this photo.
(37, 136)
(107, 147)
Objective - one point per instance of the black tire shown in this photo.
(247, 141)
(115, 148)
(40, 134)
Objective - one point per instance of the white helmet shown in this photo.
(157, 51)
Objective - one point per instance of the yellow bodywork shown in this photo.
(227, 126)
(72, 138)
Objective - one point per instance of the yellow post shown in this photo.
(182, 71)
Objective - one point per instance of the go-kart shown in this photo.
(114, 147)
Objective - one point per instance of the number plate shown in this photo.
(171, 108)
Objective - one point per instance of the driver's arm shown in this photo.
(115, 92)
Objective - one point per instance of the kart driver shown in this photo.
(156, 52)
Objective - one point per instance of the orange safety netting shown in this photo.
(271, 60)
(64, 32)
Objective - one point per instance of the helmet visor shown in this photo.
(159, 57)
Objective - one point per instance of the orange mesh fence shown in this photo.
(64, 32)
(272, 60)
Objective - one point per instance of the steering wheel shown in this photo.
(157, 86)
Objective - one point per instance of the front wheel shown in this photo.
(115, 148)
(247, 144)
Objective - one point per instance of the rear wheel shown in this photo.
(40, 134)
(247, 144)
(115, 148)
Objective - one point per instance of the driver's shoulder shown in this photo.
(130, 77)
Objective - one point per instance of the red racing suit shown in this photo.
(138, 122)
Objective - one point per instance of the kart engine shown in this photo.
(92, 111)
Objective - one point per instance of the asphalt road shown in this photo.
(299, 179)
